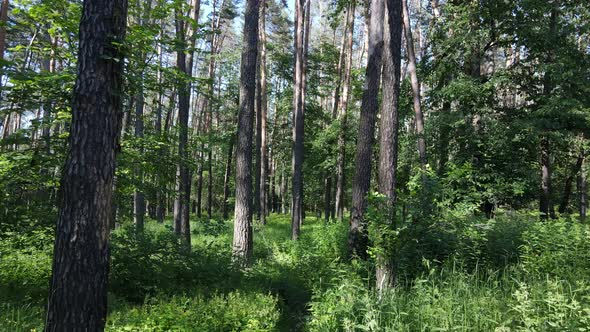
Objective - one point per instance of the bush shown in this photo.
(235, 311)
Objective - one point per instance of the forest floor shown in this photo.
(508, 274)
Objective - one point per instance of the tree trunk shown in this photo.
(226, 178)
(545, 202)
(3, 21)
(261, 119)
(184, 62)
(582, 195)
(389, 139)
(415, 85)
(342, 115)
(298, 118)
(357, 238)
(138, 197)
(567, 191)
(242, 241)
(78, 292)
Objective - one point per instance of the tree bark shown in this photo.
(78, 292)
(357, 237)
(242, 241)
(389, 138)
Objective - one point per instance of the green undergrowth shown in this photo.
(508, 274)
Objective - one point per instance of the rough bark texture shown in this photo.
(357, 237)
(389, 139)
(342, 115)
(415, 85)
(242, 241)
(78, 292)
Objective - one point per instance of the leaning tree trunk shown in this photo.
(242, 242)
(78, 292)
(389, 140)
(357, 237)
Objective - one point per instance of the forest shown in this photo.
(294, 165)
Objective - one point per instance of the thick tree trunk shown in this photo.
(242, 241)
(78, 292)
(389, 139)
(343, 114)
(357, 238)
(415, 85)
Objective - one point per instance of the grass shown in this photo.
(307, 285)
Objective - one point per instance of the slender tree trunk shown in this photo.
(226, 177)
(78, 292)
(343, 115)
(582, 194)
(3, 21)
(327, 196)
(138, 197)
(261, 119)
(567, 191)
(389, 139)
(415, 85)
(298, 118)
(357, 238)
(242, 241)
(184, 63)
(545, 200)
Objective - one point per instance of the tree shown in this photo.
(78, 291)
(357, 236)
(184, 64)
(261, 121)
(343, 114)
(415, 84)
(389, 139)
(242, 242)
(300, 49)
